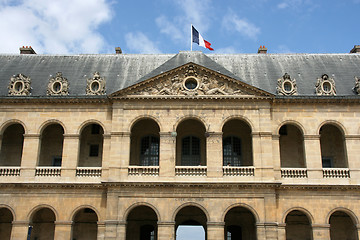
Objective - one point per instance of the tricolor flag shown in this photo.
(197, 38)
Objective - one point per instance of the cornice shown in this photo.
(55, 100)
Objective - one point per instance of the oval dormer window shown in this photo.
(95, 86)
(326, 86)
(19, 86)
(287, 86)
(56, 87)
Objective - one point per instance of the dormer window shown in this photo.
(286, 85)
(325, 86)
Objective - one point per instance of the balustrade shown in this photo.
(88, 171)
(238, 171)
(294, 173)
(143, 171)
(336, 173)
(48, 171)
(9, 171)
(190, 170)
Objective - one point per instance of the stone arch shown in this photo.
(190, 204)
(88, 122)
(38, 207)
(335, 123)
(301, 209)
(7, 218)
(189, 117)
(10, 209)
(244, 205)
(291, 122)
(143, 117)
(49, 122)
(11, 122)
(237, 117)
(85, 221)
(75, 211)
(138, 204)
(351, 214)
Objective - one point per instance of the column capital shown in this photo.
(215, 224)
(31, 135)
(312, 137)
(64, 223)
(73, 136)
(120, 134)
(320, 226)
(261, 134)
(21, 223)
(166, 223)
(106, 135)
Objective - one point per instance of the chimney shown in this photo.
(262, 50)
(356, 49)
(27, 50)
(118, 50)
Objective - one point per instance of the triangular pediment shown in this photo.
(191, 80)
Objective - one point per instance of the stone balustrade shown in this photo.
(48, 171)
(238, 171)
(143, 171)
(9, 171)
(88, 171)
(294, 173)
(336, 173)
(190, 170)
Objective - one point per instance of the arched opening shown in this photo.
(51, 148)
(237, 144)
(145, 143)
(43, 224)
(191, 220)
(141, 224)
(333, 153)
(91, 146)
(342, 227)
(6, 219)
(85, 225)
(298, 226)
(240, 224)
(190, 143)
(291, 147)
(12, 145)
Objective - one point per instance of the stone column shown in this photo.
(70, 156)
(63, 230)
(19, 230)
(106, 157)
(262, 155)
(313, 156)
(215, 230)
(321, 231)
(111, 222)
(353, 152)
(101, 231)
(166, 230)
(260, 231)
(214, 155)
(121, 231)
(30, 155)
(276, 156)
(111, 230)
(167, 154)
(119, 156)
(282, 231)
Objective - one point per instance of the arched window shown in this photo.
(232, 151)
(190, 154)
(149, 151)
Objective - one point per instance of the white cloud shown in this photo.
(140, 43)
(169, 28)
(298, 5)
(57, 26)
(232, 22)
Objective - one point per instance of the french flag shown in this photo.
(197, 38)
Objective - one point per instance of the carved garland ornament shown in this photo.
(357, 85)
(192, 82)
(95, 85)
(286, 85)
(58, 85)
(20, 85)
(325, 86)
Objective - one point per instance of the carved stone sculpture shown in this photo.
(20, 85)
(325, 86)
(357, 85)
(58, 85)
(286, 85)
(95, 85)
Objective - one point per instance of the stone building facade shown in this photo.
(130, 147)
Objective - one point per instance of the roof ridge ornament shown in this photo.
(20, 85)
(58, 85)
(286, 85)
(325, 86)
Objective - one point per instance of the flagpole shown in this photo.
(191, 37)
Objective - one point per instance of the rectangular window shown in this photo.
(56, 161)
(327, 162)
(94, 150)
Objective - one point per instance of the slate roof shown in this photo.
(123, 70)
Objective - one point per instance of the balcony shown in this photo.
(195, 171)
(9, 171)
(238, 171)
(294, 173)
(143, 171)
(88, 171)
(48, 171)
(336, 173)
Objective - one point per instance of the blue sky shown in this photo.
(163, 26)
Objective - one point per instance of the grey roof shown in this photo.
(123, 70)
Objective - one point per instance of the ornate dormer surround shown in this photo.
(357, 85)
(96, 85)
(20, 85)
(58, 86)
(286, 85)
(325, 86)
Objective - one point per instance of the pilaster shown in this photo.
(70, 155)
(106, 157)
(214, 155)
(313, 156)
(101, 231)
(321, 231)
(166, 230)
(119, 156)
(30, 155)
(19, 230)
(215, 230)
(167, 154)
(62, 230)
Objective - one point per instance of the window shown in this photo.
(56, 161)
(232, 151)
(327, 162)
(94, 150)
(149, 151)
(190, 154)
(95, 129)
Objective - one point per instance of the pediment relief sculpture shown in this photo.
(325, 86)
(286, 85)
(95, 85)
(193, 81)
(58, 85)
(20, 85)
